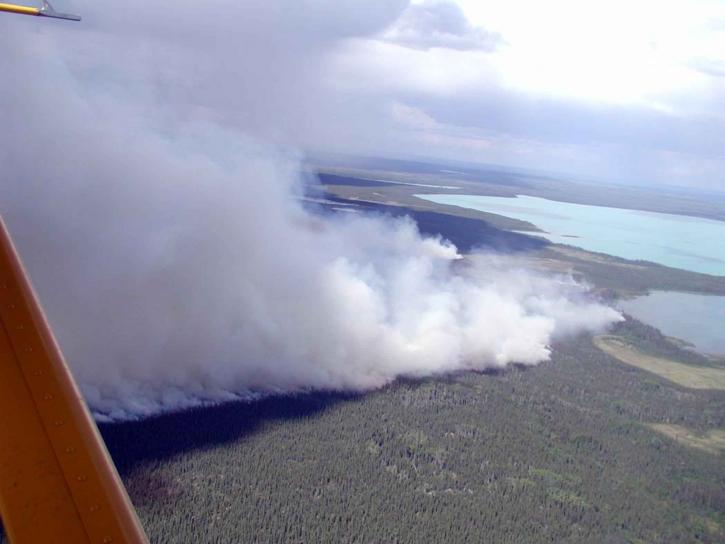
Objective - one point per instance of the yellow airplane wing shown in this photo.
(57, 481)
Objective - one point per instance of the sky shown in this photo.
(623, 91)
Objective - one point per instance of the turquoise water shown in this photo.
(679, 241)
(698, 319)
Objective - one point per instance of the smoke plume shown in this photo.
(178, 267)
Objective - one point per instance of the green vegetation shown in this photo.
(651, 340)
(627, 278)
(712, 441)
(562, 452)
(689, 376)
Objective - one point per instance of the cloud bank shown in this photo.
(177, 266)
(440, 23)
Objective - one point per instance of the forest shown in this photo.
(561, 452)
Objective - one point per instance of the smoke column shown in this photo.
(177, 266)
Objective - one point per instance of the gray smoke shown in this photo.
(177, 266)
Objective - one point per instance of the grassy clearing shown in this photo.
(598, 258)
(712, 441)
(690, 376)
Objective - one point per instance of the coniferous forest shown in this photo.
(562, 452)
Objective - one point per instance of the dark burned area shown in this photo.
(467, 234)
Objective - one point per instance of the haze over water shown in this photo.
(678, 241)
(695, 318)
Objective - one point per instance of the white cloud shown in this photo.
(616, 52)
(638, 77)
(440, 24)
(323, 74)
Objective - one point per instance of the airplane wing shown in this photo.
(57, 481)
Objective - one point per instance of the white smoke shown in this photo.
(178, 267)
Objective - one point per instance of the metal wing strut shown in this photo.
(46, 10)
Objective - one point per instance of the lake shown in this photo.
(698, 319)
(679, 241)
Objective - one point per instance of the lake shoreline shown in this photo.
(658, 237)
